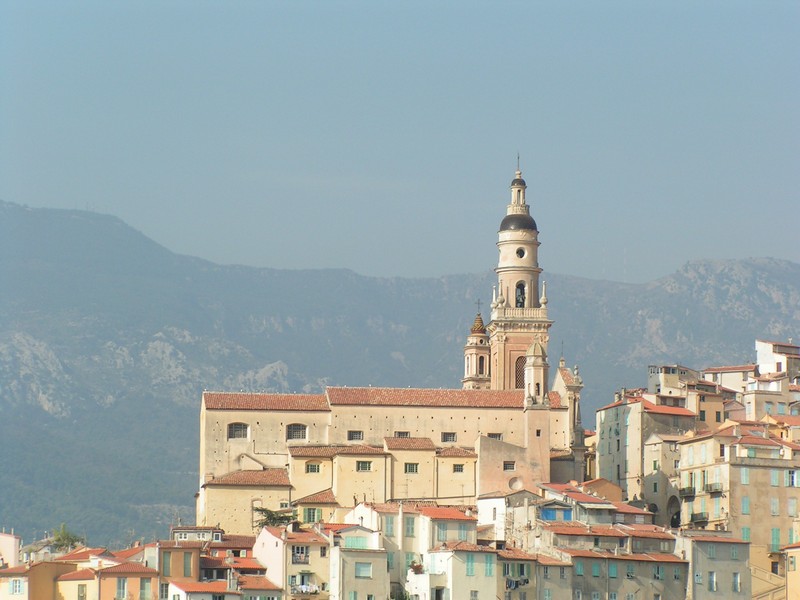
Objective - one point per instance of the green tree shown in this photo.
(64, 540)
(271, 518)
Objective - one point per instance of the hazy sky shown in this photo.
(382, 136)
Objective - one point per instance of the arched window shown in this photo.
(237, 431)
(296, 431)
(520, 303)
(519, 373)
(481, 365)
(466, 366)
(538, 390)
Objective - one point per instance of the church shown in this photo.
(318, 455)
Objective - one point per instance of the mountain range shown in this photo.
(108, 339)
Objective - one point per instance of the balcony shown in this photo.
(306, 589)
(713, 488)
(686, 492)
(299, 559)
(701, 517)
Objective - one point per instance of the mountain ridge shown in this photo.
(107, 340)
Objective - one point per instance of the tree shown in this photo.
(271, 518)
(64, 540)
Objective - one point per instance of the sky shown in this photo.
(382, 136)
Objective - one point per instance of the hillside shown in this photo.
(108, 339)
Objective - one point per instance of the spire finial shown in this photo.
(517, 160)
(478, 304)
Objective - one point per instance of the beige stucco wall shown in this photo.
(231, 507)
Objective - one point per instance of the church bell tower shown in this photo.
(519, 312)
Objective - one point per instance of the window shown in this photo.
(775, 544)
(676, 573)
(313, 467)
(579, 568)
(774, 477)
(352, 595)
(144, 588)
(389, 561)
(473, 595)
(790, 478)
(745, 505)
(509, 465)
(702, 415)
(388, 525)
(410, 557)
(630, 571)
(612, 570)
(746, 534)
(546, 572)
(744, 475)
(363, 465)
(187, 564)
(402, 434)
(562, 572)
(519, 373)
(409, 526)
(774, 506)
(488, 565)
(448, 436)
(363, 570)
(522, 569)
(295, 431)
(495, 436)
(658, 572)
(595, 595)
(792, 507)
(751, 453)
(734, 552)
(166, 569)
(81, 591)
(163, 591)
(737, 582)
(237, 431)
(16, 586)
(441, 532)
(411, 468)
(312, 515)
(470, 564)
(122, 587)
(462, 532)
(712, 551)
(355, 436)
(548, 595)
(595, 569)
(506, 569)
(712, 581)
(323, 551)
(458, 468)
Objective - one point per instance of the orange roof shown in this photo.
(208, 587)
(445, 513)
(301, 535)
(456, 452)
(83, 553)
(14, 571)
(330, 451)
(128, 552)
(554, 399)
(582, 529)
(79, 575)
(730, 369)
(231, 540)
(129, 567)
(645, 556)
(246, 401)
(260, 477)
(408, 443)
(372, 396)
(323, 497)
(253, 582)
(627, 509)
(566, 375)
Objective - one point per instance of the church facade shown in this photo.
(319, 455)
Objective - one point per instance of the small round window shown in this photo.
(521, 252)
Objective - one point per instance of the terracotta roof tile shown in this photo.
(323, 497)
(232, 540)
(253, 582)
(129, 567)
(329, 451)
(127, 553)
(20, 570)
(456, 452)
(409, 443)
(641, 557)
(554, 398)
(300, 535)
(371, 396)
(79, 575)
(627, 509)
(278, 402)
(445, 513)
(566, 375)
(260, 477)
(83, 553)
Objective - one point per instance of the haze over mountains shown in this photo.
(107, 340)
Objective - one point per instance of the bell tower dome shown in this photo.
(519, 314)
(476, 357)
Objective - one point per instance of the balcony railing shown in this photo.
(713, 488)
(305, 589)
(700, 517)
(684, 492)
(299, 559)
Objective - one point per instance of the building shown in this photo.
(322, 454)
(718, 565)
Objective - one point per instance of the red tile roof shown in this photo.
(208, 587)
(323, 497)
(456, 452)
(234, 541)
(627, 509)
(409, 443)
(554, 398)
(277, 402)
(566, 375)
(79, 575)
(129, 567)
(301, 535)
(371, 396)
(21, 570)
(253, 582)
(258, 478)
(83, 553)
(645, 557)
(127, 553)
(329, 451)
(445, 513)
(730, 369)
(515, 554)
